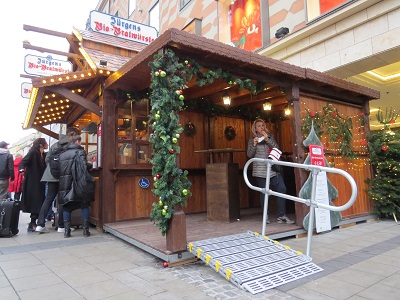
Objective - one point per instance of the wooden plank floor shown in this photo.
(198, 228)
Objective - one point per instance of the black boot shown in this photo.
(67, 228)
(86, 232)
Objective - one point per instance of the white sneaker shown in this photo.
(62, 229)
(284, 219)
(41, 229)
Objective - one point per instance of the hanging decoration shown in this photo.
(336, 127)
(189, 129)
(230, 133)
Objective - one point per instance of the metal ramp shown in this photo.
(253, 262)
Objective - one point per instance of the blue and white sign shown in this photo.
(144, 183)
(46, 66)
(122, 28)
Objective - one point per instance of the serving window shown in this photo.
(133, 133)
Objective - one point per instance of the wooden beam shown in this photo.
(46, 131)
(36, 106)
(46, 31)
(76, 99)
(40, 49)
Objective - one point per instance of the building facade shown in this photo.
(356, 40)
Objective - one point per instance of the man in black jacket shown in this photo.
(6, 169)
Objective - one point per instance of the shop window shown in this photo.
(133, 133)
(183, 3)
(323, 7)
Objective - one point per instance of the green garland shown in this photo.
(337, 128)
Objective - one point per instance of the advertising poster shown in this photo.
(245, 24)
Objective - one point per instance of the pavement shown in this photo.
(359, 262)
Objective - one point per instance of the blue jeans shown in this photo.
(278, 185)
(84, 211)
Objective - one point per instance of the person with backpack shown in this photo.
(76, 189)
(51, 176)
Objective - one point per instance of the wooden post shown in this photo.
(176, 234)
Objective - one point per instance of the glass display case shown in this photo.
(133, 132)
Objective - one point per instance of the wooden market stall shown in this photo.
(119, 103)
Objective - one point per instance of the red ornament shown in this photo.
(188, 65)
(158, 176)
(339, 139)
(334, 115)
(312, 114)
(327, 144)
(172, 151)
(385, 147)
(360, 114)
(391, 121)
(363, 142)
(165, 264)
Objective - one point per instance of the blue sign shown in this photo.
(144, 183)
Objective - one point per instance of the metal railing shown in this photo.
(309, 202)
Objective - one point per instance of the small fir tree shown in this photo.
(306, 189)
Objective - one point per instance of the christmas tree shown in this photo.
(384, 149)
(306, 189)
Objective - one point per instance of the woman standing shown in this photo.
(15, 188)
(33, 191)
(260, 146)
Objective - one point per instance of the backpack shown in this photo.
(54, 160)
(83, 183)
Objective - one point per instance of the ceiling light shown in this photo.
(227, 99)
(267, 106)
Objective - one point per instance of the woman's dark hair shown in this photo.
(39, 142)
(71, 131)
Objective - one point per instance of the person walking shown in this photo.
(33, 190)
(15, 187)
(259, 146)
(70, 172)
(6, 169)
(53, 184)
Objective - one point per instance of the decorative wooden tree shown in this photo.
(305, 191)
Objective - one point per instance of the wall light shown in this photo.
(287, 111)
(227, 99)
(103, 63)
(267, 106)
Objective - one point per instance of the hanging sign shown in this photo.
(46, 66)
(322, 216)
(26, 88)
(122, 28)
(98, 159)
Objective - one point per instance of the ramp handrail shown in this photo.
(310, 202)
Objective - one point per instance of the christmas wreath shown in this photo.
(189, 129)
(230, 133)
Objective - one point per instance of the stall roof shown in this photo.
(48, 101)
(135, 74)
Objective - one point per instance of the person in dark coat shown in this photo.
(33, 191)
(52, 185)
(15, 187)
(6, 169)
(66, 194)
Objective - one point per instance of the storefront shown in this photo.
(118, 101)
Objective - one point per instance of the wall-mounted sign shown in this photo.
(122, 28)
(144, 183)
(46, 66)
(26, 88)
